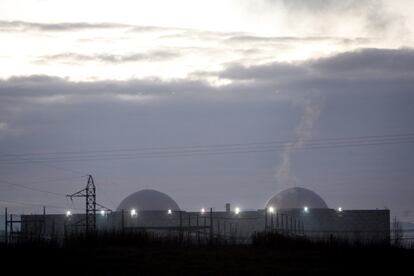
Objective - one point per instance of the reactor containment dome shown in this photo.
(148, 200)
(296, 198)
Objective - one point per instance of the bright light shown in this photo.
(68, 213)
(306, 209)
(133, 213)
(271, 210)
(169, 211)
(203, 210)
(339, 209)
(102, 212)
(237, 210)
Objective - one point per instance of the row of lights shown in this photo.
(134, 212)
(69, 213)
(305, 209)
(237, 211)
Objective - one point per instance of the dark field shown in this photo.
(115, 254)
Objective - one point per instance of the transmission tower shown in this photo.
(90, 194)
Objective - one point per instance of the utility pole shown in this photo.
(218, 230)
(122, 221)
(181, 226)
(205, 228)
(211, 225)
(6, 236)
(189, 227)
(44, 222)
(11, 226)
(198, 231)
(271, 222)
(10, 222)
(277, 222)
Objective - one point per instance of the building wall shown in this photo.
(361, 225)
(364, 225)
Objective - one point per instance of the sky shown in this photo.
(208, 101)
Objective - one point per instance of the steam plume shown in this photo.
(312, 107)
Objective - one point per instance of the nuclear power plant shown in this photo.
(295, 211)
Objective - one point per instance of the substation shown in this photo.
(295, 212)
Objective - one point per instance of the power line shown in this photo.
(44, 164)
(236, 149)
(46, 180)
(31, 188)
(19, 203)
(36, 189)
(156, 149)
(210, 152)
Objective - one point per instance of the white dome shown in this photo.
(148, 200)
(296, 198)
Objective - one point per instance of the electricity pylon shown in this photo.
(90, 194)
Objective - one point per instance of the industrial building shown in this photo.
(295, 211)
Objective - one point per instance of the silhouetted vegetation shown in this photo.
(115, 253)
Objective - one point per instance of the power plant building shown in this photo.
(295, 211)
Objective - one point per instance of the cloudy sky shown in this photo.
(208, 101)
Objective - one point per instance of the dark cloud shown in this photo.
(143, 29)
(85, 26)
(56, 27)
(290, 39)
(194, 34)
(160, 55)
(274, 71)
(23, 26)
(263, 103)
(380, 60)
(363, 68)
(33, 87)
(360, 65)
(367, 67)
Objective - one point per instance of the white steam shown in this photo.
(312, 107)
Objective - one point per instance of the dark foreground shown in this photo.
(269, 255)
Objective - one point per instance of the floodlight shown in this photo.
(237, 210)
